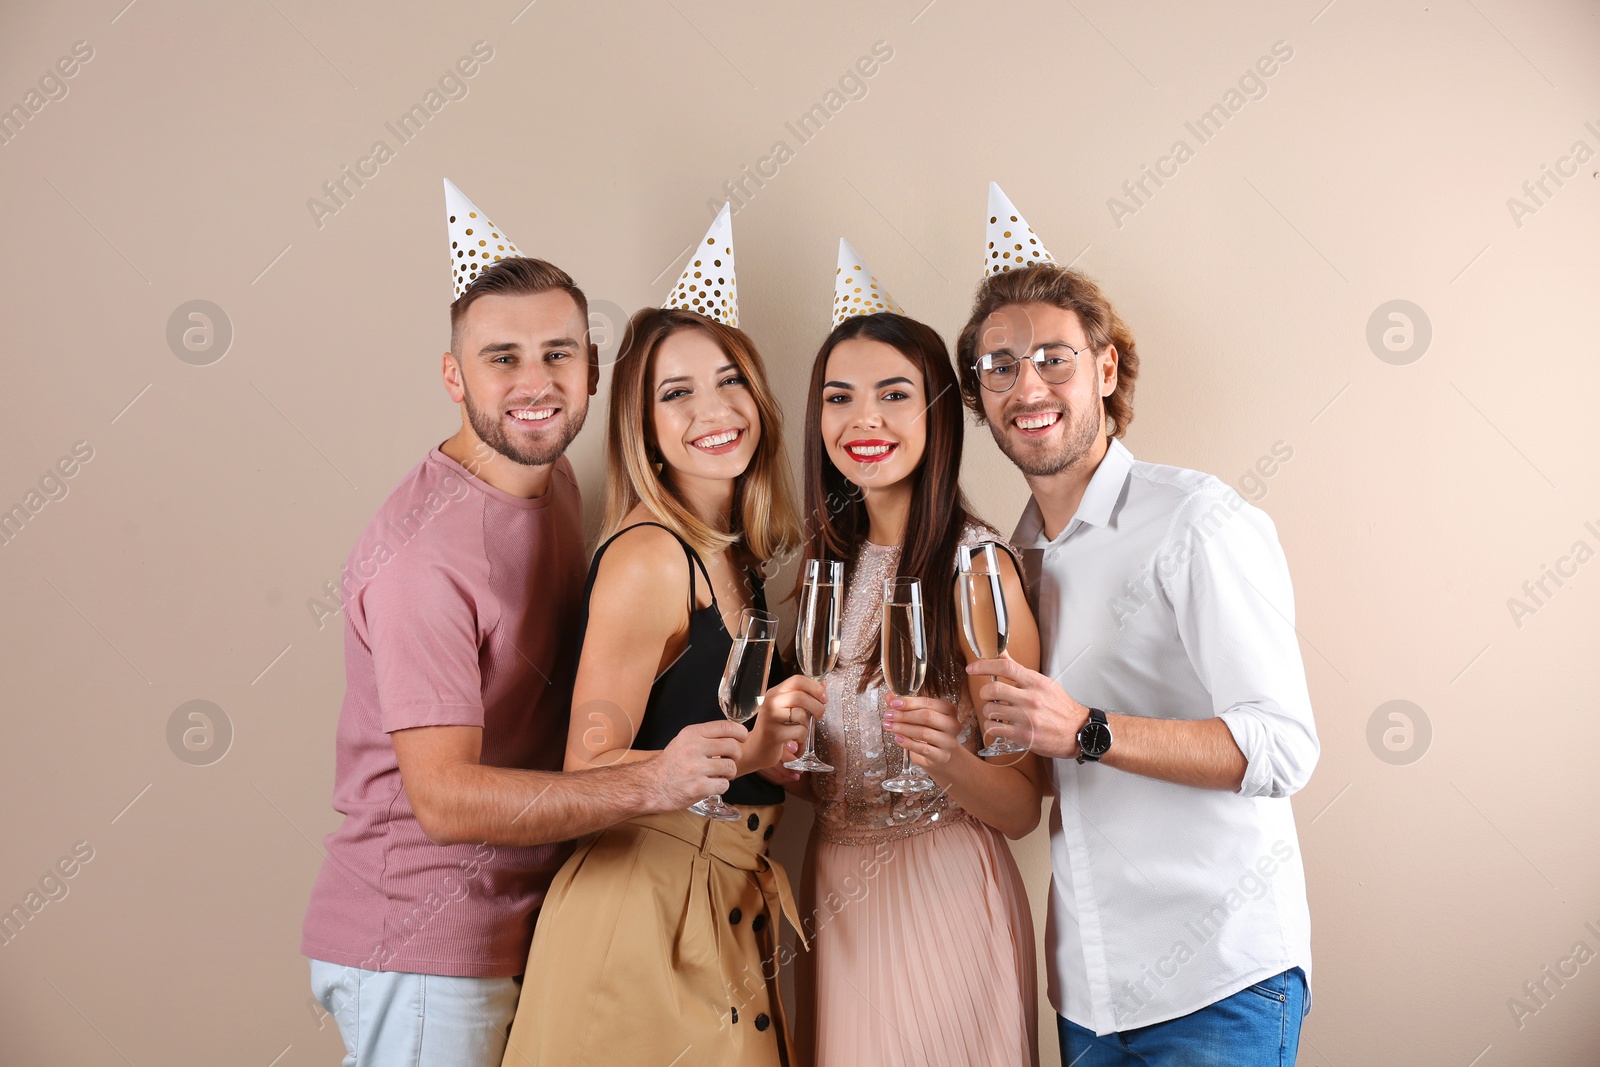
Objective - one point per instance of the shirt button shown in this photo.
(735, 1014)
(753, 821)
(734, 916)
(762, 1022)
(759, 923)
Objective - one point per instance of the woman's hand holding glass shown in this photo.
(928, 729)
(788, 708)
(743, 688)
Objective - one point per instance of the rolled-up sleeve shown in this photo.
(1235, 615)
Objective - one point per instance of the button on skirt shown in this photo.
(658, 940)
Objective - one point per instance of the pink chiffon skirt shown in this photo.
(923, 953)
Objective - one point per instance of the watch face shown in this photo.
(1095, 738)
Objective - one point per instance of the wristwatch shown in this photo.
(1094, 740)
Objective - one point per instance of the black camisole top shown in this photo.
(686, 692)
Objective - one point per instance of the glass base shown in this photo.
(908, 783)
(808, 762)
(714, 808)
(1001, 746)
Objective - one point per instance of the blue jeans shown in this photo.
(418, 1020)
(1256, 1027)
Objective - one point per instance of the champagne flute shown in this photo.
(981, 592)
(905, 665)
(816, 641)
(743, 688)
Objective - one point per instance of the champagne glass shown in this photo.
(981, 592)
(743, 688)
(816, 640)
(905, 665)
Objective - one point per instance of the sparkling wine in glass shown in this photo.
(816, 640)
(743, 688)
(981, 592)
(905, 665)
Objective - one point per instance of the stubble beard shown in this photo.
(492, 432)
(1077, 441)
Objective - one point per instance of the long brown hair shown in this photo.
(763, 519)
(836, 511)
(1046, 283)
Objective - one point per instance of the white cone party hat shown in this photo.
(856, 290)
(708, 286)
(475, 242)
(1012, 242)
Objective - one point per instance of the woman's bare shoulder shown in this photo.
(641, 556)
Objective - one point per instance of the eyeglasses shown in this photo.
(1056, 364)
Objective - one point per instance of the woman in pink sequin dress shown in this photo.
(924, 946)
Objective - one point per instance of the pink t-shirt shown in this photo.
(460, 608)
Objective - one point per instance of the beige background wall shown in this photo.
(1421, 492)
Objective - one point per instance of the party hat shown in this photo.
(707, 285)
(855, 288)
(1012, 242)
(475, 242)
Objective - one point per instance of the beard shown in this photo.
(492, 431)
(1039, 460)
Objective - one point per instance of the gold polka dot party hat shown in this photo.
(707, 285)
(856, 290)
(1012, 242)
(475, 242)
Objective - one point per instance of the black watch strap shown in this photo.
(1094, 740)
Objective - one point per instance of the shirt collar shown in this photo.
(1105, 487)
(1099, 498)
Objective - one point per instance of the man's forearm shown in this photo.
(504, 806)
(1199, 753)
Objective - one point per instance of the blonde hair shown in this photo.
(764, 517)
(1046, 283)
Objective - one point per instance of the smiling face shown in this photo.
(704, 420)
(873, 421)
(524, 373)
(1043, 428)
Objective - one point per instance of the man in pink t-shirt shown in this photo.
(462, 598)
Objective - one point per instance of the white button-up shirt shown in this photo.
(1168, 596)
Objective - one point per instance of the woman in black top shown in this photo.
(685, 692)
(662, 931)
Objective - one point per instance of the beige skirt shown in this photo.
(657, 944)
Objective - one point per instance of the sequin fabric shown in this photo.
(853, 808)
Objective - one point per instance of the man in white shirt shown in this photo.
(1172, 702)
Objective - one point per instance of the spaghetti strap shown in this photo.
(684, 689)
(688, 550)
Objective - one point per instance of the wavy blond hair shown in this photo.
(764, 519)
(1047, 283)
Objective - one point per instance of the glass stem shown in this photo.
(811, 738)
(992, 678)
(921, 772)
